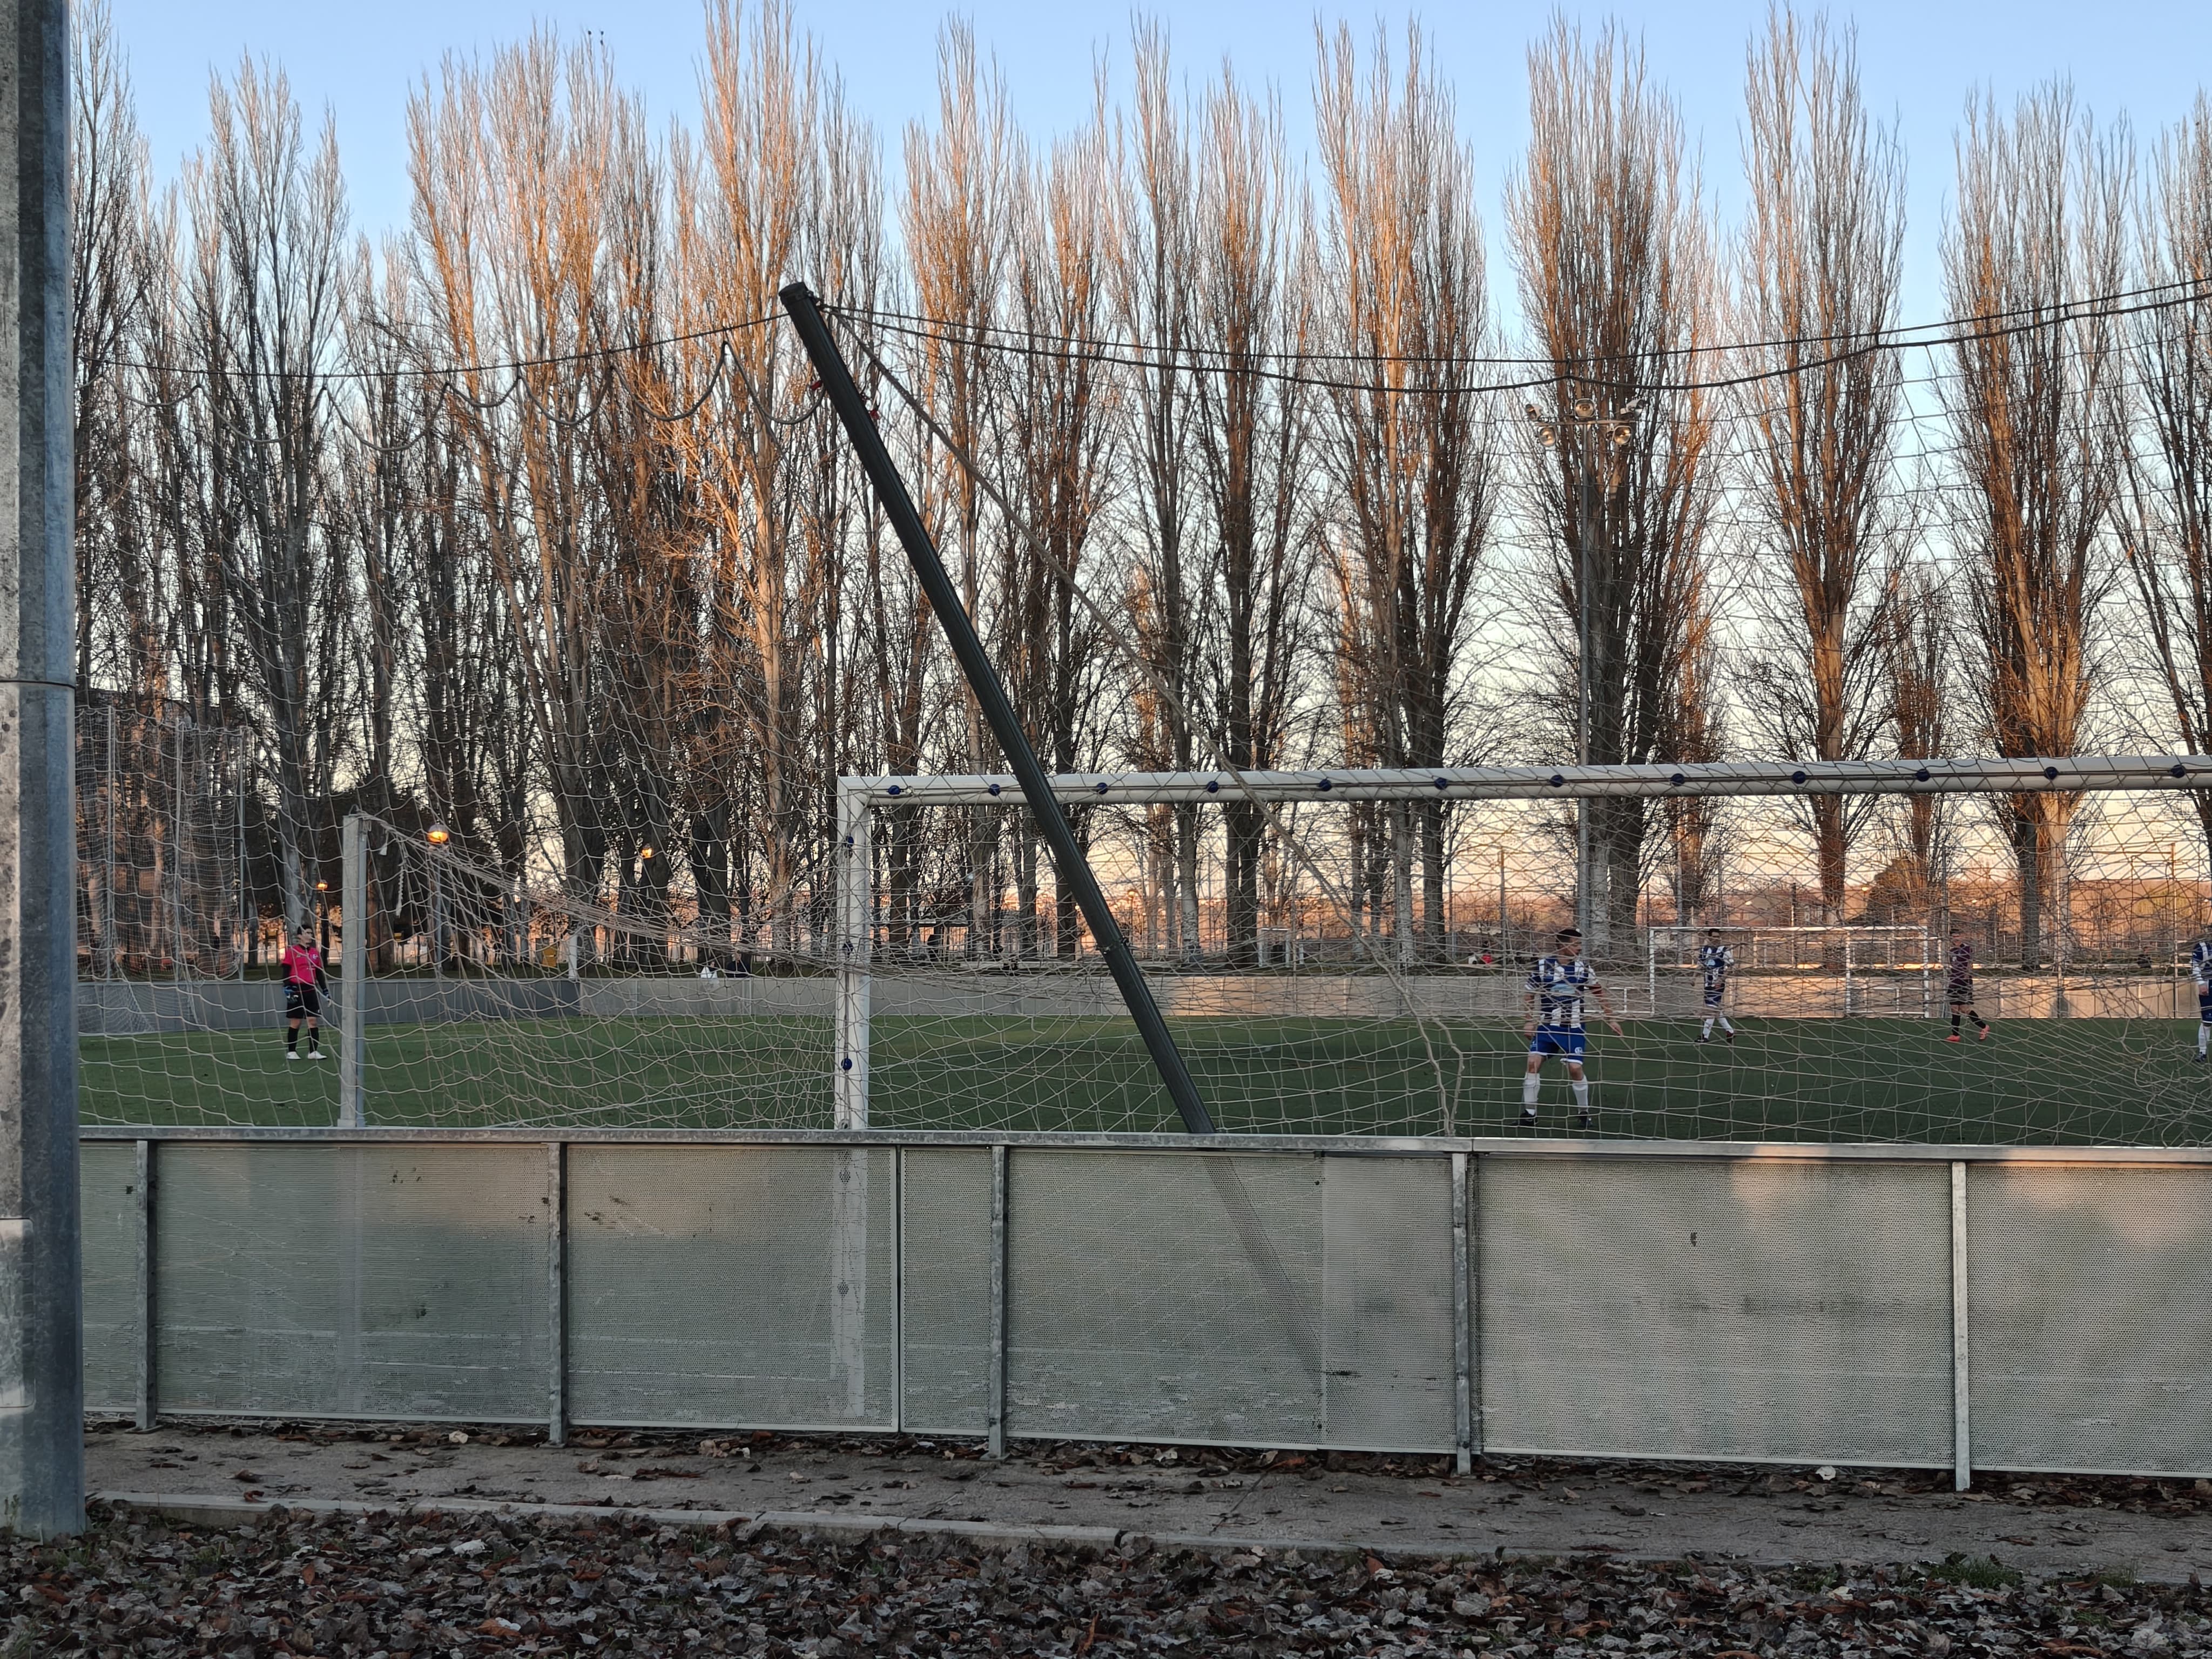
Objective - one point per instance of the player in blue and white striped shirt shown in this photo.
(1714, 961)
(1557, 987)
(2200, 971)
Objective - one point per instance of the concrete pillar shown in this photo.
(42, 1363)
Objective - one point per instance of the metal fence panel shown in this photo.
(944, 1272)
(1746, 1309)
(1157, 1296)
(1386, 1273)
(108, 1180)
(2091, 1315)
(716, 1286)
(352, 1281)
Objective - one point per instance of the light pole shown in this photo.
(1587, 425)
(437, 835)
(323, 917)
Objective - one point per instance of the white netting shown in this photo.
(1351, 965)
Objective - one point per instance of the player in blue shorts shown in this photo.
(2200, 971)
(1714, 959)
(1557, 987)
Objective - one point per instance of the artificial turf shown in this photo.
(2054, 1082)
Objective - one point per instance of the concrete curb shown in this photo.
(220, 1509)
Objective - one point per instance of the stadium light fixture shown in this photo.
(437, 835)
(645, 851)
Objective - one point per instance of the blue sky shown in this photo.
(1919, 62)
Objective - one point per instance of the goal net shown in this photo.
(1336, 952)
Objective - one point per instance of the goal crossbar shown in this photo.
(2068, 772)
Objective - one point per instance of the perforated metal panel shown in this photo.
(1164, 1296)
(353, 1280)
(731, 1286)
(945, 1258)
(1387, 1275)
(107, 1184)
(1755, 1309)
(2091, 1318)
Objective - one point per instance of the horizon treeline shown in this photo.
(526, 516)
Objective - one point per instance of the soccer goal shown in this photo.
(1799, 972)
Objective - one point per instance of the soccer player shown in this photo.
(1557, 985)
(1959, 992)
(303, 993)
(2200, 969)
(1715, 960)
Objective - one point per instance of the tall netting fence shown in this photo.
(1334, 954)
(163, 830)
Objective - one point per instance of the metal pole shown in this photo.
(996, 1382)
(854, 917)
(1074, 869)
(1586, 562)
(353, 971)
(557, 1293)
(1962, 1439)
(107, 876)
(41, 1308)
(1463, 1323)
(149, 1341)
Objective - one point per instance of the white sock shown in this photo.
(1530, 1084)
(1725, 1026)
(2202, 1032)
(1582, 1094)
(1708, 1031)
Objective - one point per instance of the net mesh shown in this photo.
(1333, 964)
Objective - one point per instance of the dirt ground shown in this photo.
(238, 1578)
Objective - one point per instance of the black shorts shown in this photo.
(302, 999)
(1958, 995)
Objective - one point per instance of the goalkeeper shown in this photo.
(1557, 986)
(303, 993)
(2200, 971)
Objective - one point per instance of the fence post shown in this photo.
(854, 917)
(149, 1403)
(1463, 1316)
(1962, 1444)
(557, 1292)
(353, 972)
(995, 1444)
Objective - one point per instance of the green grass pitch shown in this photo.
(2064, 1082)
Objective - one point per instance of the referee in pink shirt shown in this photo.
(303, 993)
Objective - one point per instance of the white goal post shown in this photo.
(859, 798)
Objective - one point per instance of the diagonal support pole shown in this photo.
(1073, 869)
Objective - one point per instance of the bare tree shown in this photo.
(1253, 259)
(2166, 526)
(1155, 255)
(264, 308)
(2035, 408)
(1917, 657)
(960, 182)
(1060, 401)
(517, 177)
(1410, 443)
(114, 275)
(1819, 266)
(1617, 282)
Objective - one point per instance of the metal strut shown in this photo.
(1075, 870)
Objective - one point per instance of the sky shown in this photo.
(1919, 59)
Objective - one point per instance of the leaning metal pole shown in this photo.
(41, 1364)
(1073, 868)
